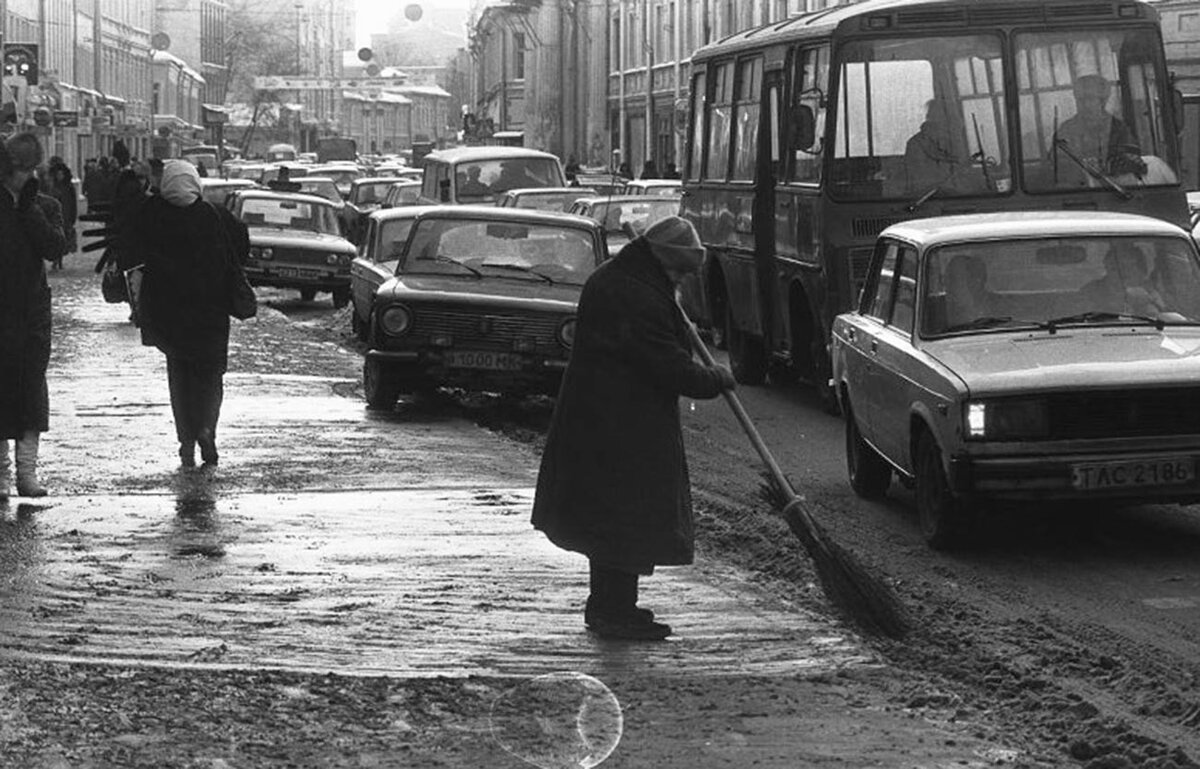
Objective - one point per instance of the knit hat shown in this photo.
(180, 183)
(676, 244)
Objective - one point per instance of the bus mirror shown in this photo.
(804, 127)
(444, 190)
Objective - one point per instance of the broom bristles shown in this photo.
(859, 594)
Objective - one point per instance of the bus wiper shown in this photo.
(913, 206)
(1095, 315)
(981, 155)
(991, 321)
(1060, 145)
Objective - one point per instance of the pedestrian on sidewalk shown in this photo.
(613, 483)
(60, 185)
(184, 302)
(27, 242)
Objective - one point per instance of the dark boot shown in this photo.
(612, 611)
(208, 446)
(187, 453)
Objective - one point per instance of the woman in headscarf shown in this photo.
(184, 302)
(27, 242)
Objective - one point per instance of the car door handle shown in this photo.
(874, 346)
(850, 334)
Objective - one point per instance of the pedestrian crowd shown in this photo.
(183, 259)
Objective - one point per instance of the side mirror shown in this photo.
(444, 190)
(804, 127)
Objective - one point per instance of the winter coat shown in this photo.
(185, 294)
(613, 483)
(27, 242)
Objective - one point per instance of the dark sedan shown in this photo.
(483, 299)
(294, 243)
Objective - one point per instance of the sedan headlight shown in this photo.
(566, 333)
(338, 259)
(396, 320)
(262, 253)
(1015, 419)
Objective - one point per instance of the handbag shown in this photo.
(112, 284)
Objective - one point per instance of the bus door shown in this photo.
(771, 281)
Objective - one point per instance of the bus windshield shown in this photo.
(1090, 107)
(921, 116)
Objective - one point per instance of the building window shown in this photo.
(1189, 22)
(519, 55)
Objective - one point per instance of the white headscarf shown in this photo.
(180, 183)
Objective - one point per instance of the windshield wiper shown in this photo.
(990, 321)
(1095, 315)
(448, 260)
(521, 268)
(913, 206)
(1061, 145)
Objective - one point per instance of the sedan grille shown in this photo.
(1125, 413)
(480, 329)
(302, 256)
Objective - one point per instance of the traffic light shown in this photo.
(21, 60)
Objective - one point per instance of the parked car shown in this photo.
(365, 195)
(322, 186)
(1023, 356)
(543, 198)
(294, 243)
(216, 190)
(603, 183)
(405, 192)
(243, 170)
(378, 255)
(473, 175)
(619, 213)
(671, 188)
(483, 298)
(341, 173)
(397, 171)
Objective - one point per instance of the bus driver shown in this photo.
(1095, 136)
(930, 159)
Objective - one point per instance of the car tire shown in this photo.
(308, 294)
(747, 359)
(870, 475)
(380, 386)
(341, 297)
(942, 516)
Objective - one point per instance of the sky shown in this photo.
(373, 15)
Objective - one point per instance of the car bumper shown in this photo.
(1126, 476)
(537, 374)
(285, 277)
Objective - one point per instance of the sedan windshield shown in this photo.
(288, 214)
(323, 187)
(1052, 282)
(510, 249)
(366, 194)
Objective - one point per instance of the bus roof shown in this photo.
(927, 16)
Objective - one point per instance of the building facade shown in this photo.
(603, 81)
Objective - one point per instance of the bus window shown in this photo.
(811, 83)
(920, 116)
(745, 119)
(695, 156)
(1097, 93)
(719, 123)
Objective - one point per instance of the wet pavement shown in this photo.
(329, 538)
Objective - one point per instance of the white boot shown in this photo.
(27, 457)
(5, 470)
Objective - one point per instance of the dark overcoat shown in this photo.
(185, 294)
(613, 483)
(27, 242)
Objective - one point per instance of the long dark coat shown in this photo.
(185, 294)
(27, 242)
(614, 482)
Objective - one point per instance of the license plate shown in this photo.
(1098, 476)
(289, 272)
(493, 361)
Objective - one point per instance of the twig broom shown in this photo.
(861, 596)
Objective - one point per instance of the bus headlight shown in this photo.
(396, 320)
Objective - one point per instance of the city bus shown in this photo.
(809, 136)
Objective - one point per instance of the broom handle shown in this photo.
(739, 411)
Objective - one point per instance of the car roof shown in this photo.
(1028, 224)
(515, 215)
(459, 154)
(365, 180)
(548, 191)
(403, 212)
(304, 179)
(277, 195)
(643, 199)
(209, 181)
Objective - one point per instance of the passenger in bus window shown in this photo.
(1098, 138)
(930, 159)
